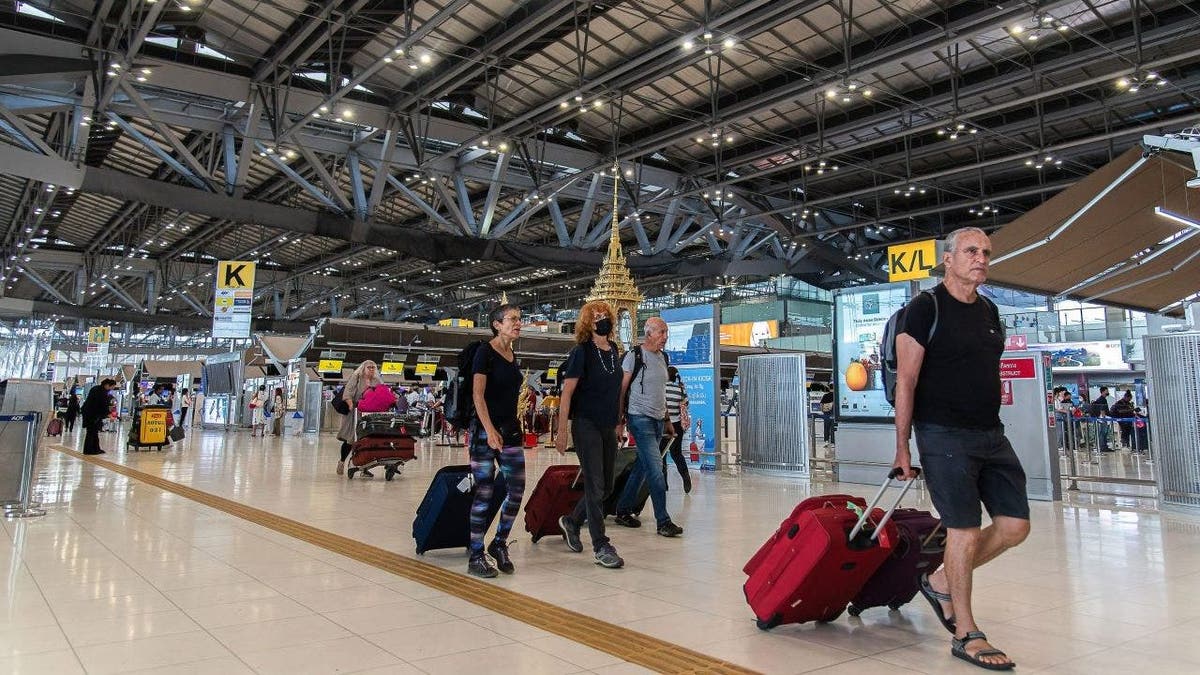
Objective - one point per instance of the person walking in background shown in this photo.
(828, 425)
(365, 376)
(278, 408)
(258, 414)
(72, 412)
(496, 439)
(185, 403)
(590, 402)
(95, 410)
(677, 403)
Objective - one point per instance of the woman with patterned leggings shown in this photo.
(496, 438)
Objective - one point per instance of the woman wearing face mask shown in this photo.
(590, 401)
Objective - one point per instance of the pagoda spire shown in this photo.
(614, 283)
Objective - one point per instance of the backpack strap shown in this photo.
(933, 326)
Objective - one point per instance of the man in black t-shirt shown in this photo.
(948, 389)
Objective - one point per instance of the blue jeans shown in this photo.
(647, 433)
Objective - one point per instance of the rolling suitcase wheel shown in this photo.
(350, 473)
(768, 624)
(854, 610)
(389, 473)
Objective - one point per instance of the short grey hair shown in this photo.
(655, 322)
(952, 238)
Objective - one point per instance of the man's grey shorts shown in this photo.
(963, 467)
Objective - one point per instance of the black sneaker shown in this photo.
(669, 529)
(627, 520)
(481, 566)
(499, 551)
(570, 534)
(607, 557)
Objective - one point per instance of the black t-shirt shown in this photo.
(959, 383)
(598, 392)
(503, 386)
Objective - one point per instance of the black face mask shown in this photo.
(604, 326)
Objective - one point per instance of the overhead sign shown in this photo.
(1079, 357)
(393, 364)
(1016, 343)
(552, 370)
(97, 346)
(912, 261)
(331, 362)
(426, 364)
(233, 299)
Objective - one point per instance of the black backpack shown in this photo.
(460, 404)
(339, 403)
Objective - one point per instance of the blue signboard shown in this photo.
(692, 348)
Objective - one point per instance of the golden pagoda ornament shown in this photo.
(503, 297)
(614, 284)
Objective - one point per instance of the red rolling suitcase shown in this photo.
(819, 559)
(554, 496)
(919, 550)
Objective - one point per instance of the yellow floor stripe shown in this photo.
(621, 642)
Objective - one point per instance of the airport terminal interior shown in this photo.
(225, 209)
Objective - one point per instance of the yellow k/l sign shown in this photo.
(912, 261)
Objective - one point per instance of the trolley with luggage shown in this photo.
(383, 440)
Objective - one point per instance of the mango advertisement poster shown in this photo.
(750, 333)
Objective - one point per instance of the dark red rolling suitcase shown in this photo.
(54, 427)
(919, 549)
(554, 496)
(819, 559)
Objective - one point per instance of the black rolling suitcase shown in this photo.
(444, 516)
(623, 466)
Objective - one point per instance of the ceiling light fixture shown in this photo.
(847, 91)
(1139, 80)
(715, 137)
(1040, 162)
(709, 42)
(821, 167)
(909, 190)
(956, 129)
(1040, 26)
(983, 209)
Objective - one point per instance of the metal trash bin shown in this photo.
(18, 457)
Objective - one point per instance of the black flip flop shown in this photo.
(959, 649)
(935, 600)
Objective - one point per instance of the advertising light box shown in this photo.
(1082, 357)
(859, 316)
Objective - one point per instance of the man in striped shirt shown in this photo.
(672, 442)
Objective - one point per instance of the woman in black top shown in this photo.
(94, 410)
(72, 412)
(591, 400)
(496, 438)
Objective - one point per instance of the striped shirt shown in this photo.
(676, 395)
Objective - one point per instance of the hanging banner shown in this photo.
(97, 346)
(233, 300)
(693, 351)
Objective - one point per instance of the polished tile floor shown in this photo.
(125, 577)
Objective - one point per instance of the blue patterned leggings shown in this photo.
(512, 463)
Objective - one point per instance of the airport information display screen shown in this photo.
(859, 316)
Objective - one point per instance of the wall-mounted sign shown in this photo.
(749, 333)
(461, 323)
(1016, 343)
(912, 261)
(1017, 369)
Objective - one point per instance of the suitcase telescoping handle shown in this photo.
(862, 520)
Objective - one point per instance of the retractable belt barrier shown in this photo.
(17, 486)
